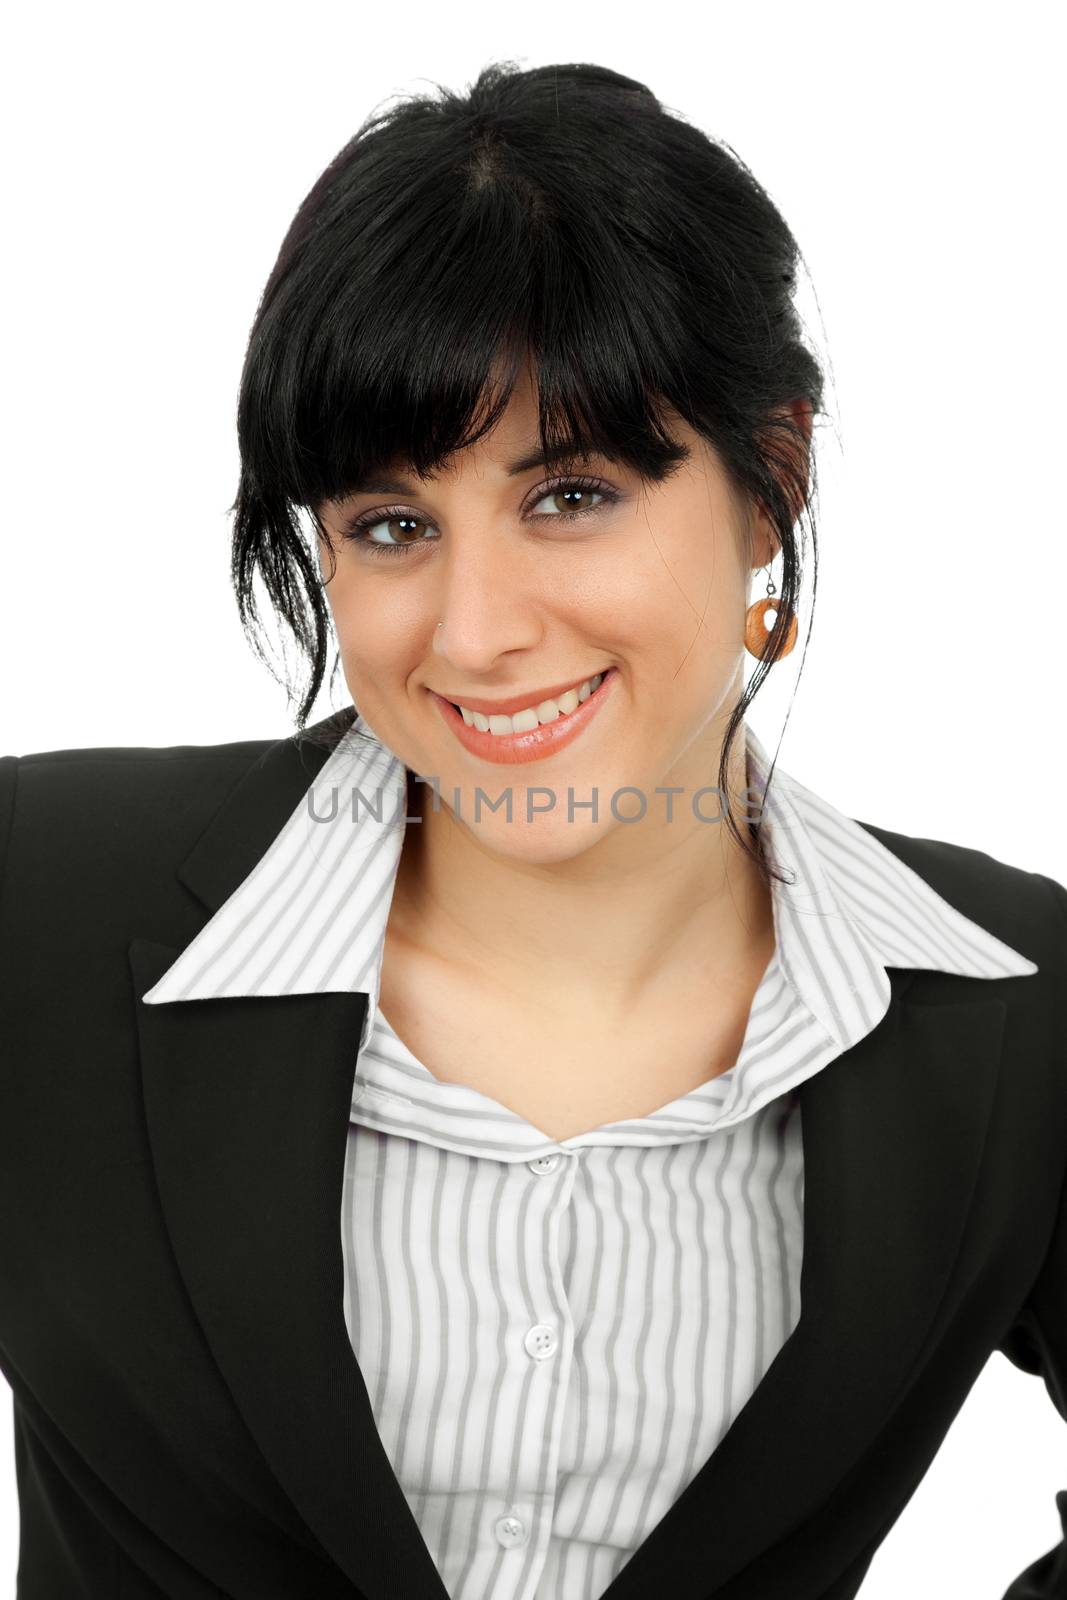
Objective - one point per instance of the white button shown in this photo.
(541, 1341)
(510, 1531)
(543, 1164)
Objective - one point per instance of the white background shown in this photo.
(153, 159)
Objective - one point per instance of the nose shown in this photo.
(488, 603)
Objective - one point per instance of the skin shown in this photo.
(614, 921)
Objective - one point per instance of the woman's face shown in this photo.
(471, 587)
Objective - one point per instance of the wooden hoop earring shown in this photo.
(756, 630)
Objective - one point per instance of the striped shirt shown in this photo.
(555, 1336)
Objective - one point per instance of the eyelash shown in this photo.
(357, 529)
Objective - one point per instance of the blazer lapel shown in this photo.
(247, 1104)
(893, 1133)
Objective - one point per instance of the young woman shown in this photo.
(505, 1139)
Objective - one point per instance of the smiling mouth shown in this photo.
(536, 713)
(542, 732)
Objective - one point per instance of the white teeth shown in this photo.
(525, 721)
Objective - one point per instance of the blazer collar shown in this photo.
(247, 1104)
(248, 821)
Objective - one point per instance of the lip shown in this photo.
(536, 743)
(519, 702)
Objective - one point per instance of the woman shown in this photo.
(505, 1139)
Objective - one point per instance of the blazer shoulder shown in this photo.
(102, 757)
(78, 823)
(1024, 908)
(61, 809)
(36, 788)
(121, 768)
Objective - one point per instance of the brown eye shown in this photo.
(574, 497)
(571, 500)
(401, 532)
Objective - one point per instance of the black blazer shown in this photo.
(190, 1418)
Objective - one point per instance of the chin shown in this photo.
(544, 841)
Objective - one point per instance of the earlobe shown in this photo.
(764, 545)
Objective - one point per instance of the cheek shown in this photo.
(344, 625)
(693, 611)
(378, 636)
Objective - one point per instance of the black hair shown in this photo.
(559, 215)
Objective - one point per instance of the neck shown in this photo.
(645, 913)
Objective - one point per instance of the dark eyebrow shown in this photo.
(515, 469)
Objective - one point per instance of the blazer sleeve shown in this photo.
(1037, 1343)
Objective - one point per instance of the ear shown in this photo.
(764, 536)
(800, 411)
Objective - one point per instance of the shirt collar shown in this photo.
(854, 909)
(311, 914)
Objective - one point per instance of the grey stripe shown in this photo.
(442, 1321)
(674, 1324)
(697, 1376)
(635, 1423)
(472, 1177)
